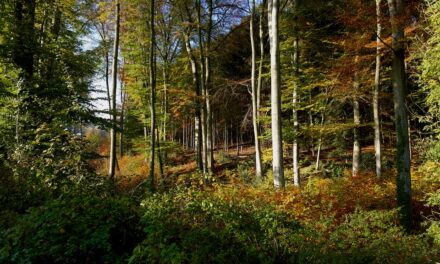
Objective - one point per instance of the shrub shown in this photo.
(83, 229)
(375, 237)
(192, 227)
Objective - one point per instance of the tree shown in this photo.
(112, 163)
(277, 139)
(295, 94)
(399, 79)
(357, 122)
(255, 94)
(152, 71)
(376, 91)
(186, 33)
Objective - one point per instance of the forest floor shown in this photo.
(330, 191)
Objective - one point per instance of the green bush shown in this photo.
(375, 237)
(192, 227)
(83, 229)
(189, 226)
(333, 169)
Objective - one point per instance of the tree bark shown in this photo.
(318, 153)
(209, 143)
(258, 170)
(377, 144)
(195, 73)
(112, 163)
(152, 72)
(277, 140)
(165, 101)
(357, 121)
(159, 155)
(121, 123)
(396, 9)
(261, 63)
(296, 172)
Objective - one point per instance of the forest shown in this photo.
(220, 131)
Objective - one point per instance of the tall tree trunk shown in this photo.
(258, 170)
(204, 119)
(397, 9)
(197, 128)
(152, 94)
(377, 145)
(121, 123)
(226, 140)
(312, 145)
(209, 114)
(184, 134)
(159, 155)
(165, 102)
(145, 129)
(277, 140)
(357, 121)
(191, 134)
(107, 82)
(237, 139)
(261, 62)
(112, 163)
(296, 173)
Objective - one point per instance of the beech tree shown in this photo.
(376, 91)
(399, 79)
(277, 139)
(152, 69)
(113, 113)
(255, 92)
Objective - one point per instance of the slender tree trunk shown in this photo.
(197, 128)
(357, 121)
(231, 143)
(377, 145)
(209, 142)
(226, 140)
(261, 62)
(152, 94)
(318, 153)
(122, 118)
(277, 140)
(296, 172)
(159, 155)
(184, 134)
(397, 9)
(255, 110)
(191, 130)
(213, 132)
(312, 146)
(203, 88)
(145, 137)
(107, 82)
(237, 139)
(112, 163)
(165, 102)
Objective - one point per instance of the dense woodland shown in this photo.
(219, 131)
